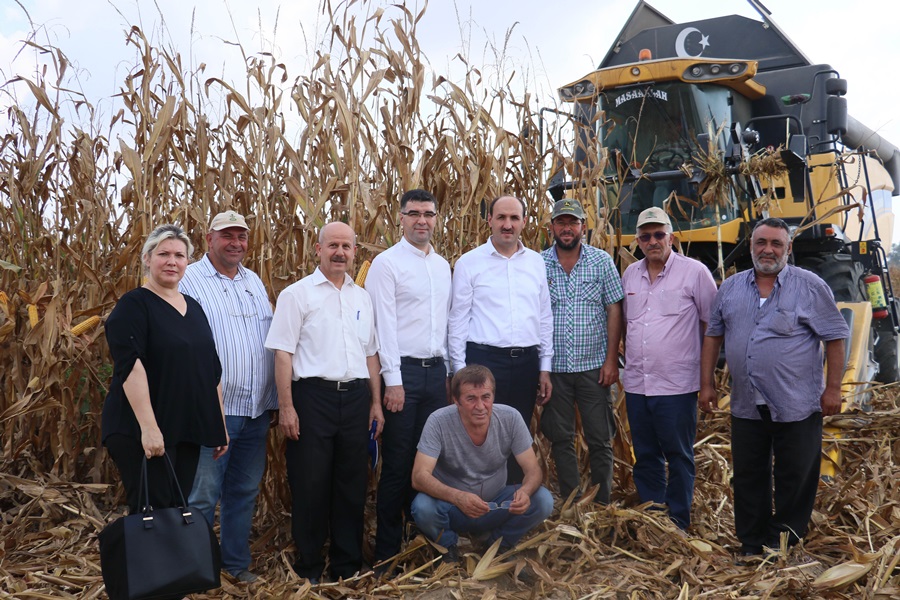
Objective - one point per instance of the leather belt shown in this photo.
(338, 386)
(510, 352)
(425, 363)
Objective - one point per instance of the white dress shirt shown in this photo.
(329, 331)
(239, 315)
(411, 294)
(502, 302)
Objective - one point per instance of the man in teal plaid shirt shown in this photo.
(586, 297)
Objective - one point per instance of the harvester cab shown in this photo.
(723, 122)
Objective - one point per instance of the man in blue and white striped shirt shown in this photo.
(239, 313)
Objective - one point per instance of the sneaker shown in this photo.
(452, 555)
(245, 576)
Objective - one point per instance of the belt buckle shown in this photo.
(427, 363)
(516, 352)
(340, 385)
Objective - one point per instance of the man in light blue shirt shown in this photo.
(239, 313)
(779, 325)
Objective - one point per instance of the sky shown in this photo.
(549, 43)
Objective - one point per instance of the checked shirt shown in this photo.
(579, 300)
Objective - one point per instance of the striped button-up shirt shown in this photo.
(240, 315)
(579, 300)
(776, 349)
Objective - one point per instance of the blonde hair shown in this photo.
(161, 234)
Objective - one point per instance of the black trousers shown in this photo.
(128, 454)
(327, 473)
(425, 391)
(787, 455)
(517, 371)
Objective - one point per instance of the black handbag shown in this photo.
(161, 553)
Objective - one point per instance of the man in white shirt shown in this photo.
(410, 288)
(327, 376)
(237, 307)
(500, 315)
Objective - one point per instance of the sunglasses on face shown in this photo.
(656, 235)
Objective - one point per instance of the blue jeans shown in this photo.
(233, 479)
(442, 522)
(663, 430)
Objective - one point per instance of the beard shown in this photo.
(567, 245)
(769, 269)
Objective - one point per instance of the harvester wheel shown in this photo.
(842, 274)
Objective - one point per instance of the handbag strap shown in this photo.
(144, 490)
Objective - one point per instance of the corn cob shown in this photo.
(86, 325)
(4, 301)
(361, 275)
(33, 315)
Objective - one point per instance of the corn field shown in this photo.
(78, 199)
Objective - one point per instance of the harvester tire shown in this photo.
(842, 274)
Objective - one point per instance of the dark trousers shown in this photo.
(663, 430)
(789, 453)
(516, 371)
(597, 421)
(128, 454)
(425, 391)
(327, 473)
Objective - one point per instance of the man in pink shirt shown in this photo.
(667, 301)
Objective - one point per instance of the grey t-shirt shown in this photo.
(461, 464)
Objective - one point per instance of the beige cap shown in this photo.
(227, 219)
(653, 215)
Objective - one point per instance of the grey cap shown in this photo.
(653, 215)
(567, 206)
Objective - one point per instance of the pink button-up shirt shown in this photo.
(663, 335)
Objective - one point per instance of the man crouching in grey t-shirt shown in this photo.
(460, 469)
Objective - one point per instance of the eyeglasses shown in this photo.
(236, 306)
(656, 235)
(501, 506)
(415, 214)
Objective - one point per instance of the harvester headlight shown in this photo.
(736, 68)
(696, 71)
(635, 71)
(582, 89)
(714, 69)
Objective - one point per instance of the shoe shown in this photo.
(245, 576)
(313, 580)
(452, 555)
(480, 541)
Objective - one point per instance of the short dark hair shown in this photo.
(494, 201)
(418, 195)
(472, 374)
(772, 222)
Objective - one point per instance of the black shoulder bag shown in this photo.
(159, 553)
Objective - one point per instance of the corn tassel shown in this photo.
(33, 315)
(361, 276)
(86, 325)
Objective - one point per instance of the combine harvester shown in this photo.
(723, 122)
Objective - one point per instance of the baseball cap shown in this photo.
(227, 219)
(567, 206)
(653, 215)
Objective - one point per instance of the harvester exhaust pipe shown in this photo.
(859, 135)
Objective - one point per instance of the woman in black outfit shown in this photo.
(165, 394)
